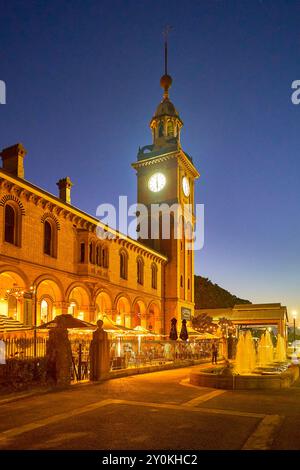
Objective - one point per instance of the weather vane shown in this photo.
(166, 33)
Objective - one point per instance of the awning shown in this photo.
(68, 321)
(9, 324)
(111, 327)
(143, 331)
(197, 334)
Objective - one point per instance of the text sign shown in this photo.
(186, 314)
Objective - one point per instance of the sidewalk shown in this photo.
(116, 374)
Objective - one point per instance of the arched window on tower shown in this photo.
(161, 129)
(154, 276)
(10, 225)
(181, 281)
(140, 271)
(170, 129)
(123, 265)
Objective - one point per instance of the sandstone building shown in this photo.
(53, 262)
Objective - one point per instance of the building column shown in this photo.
(61, 308)
(91, 314)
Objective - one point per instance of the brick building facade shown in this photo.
(53, 262)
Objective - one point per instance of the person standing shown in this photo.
(99, 353)
(214, 351)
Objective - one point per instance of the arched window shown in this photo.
(170, 129)
(161, 129)
(10, 224)
(82, 252)
(45, 311)
(140, 271)
(48, 242)
(91, 253)
(98, 255)
(123, 265)
(154, 276)
(50, 238)
(104, 256)
(181, 281)
(188, 283)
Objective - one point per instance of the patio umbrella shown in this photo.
(9, 324)
(140, 331)
(143, 331)
(111, 327)
(193, 332)
(184, 332)
(68, 321)
(173, 332)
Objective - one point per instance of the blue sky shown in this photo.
(83, 82)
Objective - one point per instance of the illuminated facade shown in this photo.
(52, 262)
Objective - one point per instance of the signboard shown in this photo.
(186, 314)
(27, 295)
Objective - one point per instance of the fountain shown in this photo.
(251, 370)
(245, 361)
(280, 353)
(265, 350)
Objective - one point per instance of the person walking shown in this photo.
(214, 353)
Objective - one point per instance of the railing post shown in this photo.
(79, 361)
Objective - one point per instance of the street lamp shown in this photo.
(33, 292)
(294, 314)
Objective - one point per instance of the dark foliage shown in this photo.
(209, 295)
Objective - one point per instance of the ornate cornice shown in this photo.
(51, 203)
(166, 157)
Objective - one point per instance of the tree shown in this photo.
(203, 323)
(226, 325)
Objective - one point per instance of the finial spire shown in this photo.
(166, 33)
(166, 80)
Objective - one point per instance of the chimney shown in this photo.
(65, 185)
(13, 160)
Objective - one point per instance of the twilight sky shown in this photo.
(82, 83)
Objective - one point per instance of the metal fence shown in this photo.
(80, 359)
(23, 348)
(124, 352)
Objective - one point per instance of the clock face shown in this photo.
(186, 186)
(157, 182)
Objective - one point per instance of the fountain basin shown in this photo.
(213, 378)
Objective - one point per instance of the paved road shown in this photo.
(152, 411)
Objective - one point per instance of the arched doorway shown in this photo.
(139, 317)
(103, 305)
(46, 314)
(123, 312)
(12, 290)
(154, 320)
(79, 302)
(48, 297)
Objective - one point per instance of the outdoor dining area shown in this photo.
(130, 348)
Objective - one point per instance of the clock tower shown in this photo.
(166, 176)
